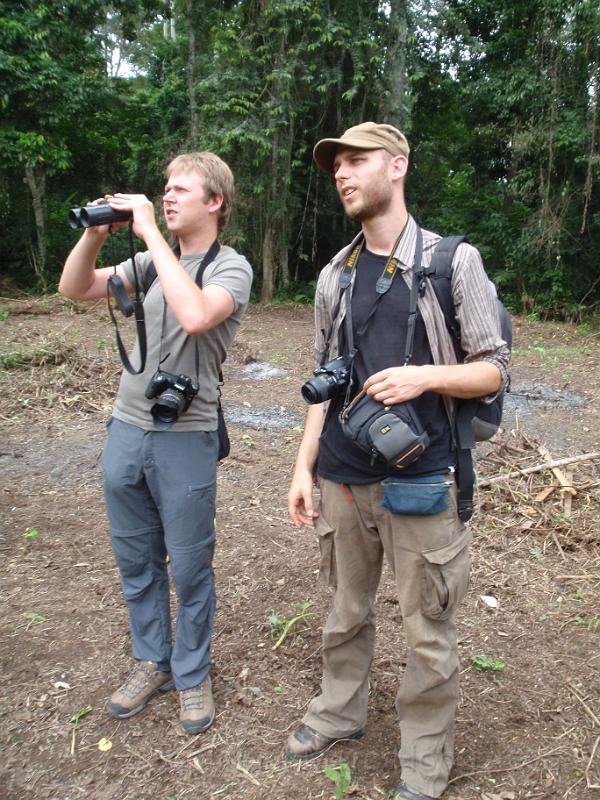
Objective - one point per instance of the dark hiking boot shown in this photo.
(405, 792)
(306, 743)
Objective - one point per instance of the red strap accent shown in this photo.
(346, 492)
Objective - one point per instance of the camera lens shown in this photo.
(320, 389)
(168, 408)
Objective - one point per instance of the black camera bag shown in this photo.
(393, 434)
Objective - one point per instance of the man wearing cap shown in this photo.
(428, 553)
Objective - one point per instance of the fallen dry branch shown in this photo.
(560, 462)
(587, 709)
(561, 478)
(589, 766)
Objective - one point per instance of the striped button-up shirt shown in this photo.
(474, 302)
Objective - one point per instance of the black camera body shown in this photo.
(329, 379)
(175, 394)
(101, 214)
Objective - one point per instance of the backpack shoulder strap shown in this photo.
(439, 273)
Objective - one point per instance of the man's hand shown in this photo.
(300, 499)
(142, 209)
(399, 384)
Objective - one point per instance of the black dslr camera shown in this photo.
(174, 393)
(330, 378)
(101, 214)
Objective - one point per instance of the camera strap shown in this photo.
(116, 287)
(383, 285)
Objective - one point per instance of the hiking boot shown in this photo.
(142, 683)
(197, 708)
(405, 792)
(306, 743)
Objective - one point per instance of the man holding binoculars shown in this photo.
(382, 344)
(159, 461)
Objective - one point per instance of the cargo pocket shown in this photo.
(327, 571)
(445, 577)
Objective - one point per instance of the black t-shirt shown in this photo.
(383, 345)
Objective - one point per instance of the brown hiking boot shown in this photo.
(142, 683)
(305, 743)
(197, 708)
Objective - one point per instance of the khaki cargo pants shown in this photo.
(429, 557)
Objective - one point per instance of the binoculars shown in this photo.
(101, 214)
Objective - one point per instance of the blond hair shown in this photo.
(217, 179)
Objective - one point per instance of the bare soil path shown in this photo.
(529, 721)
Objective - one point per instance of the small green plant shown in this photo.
(248, 441)
(341, 777)
(592, 624)
(578, 596)
(101, 344)
(536, 553)
(31, 534)
(83, 712)
(11, 360)
(280, 626)
(32, 619)
(487, 663)
(4, 314)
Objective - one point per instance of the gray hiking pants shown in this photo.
(429, 557)
(159, 489)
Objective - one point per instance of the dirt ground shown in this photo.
(528, 725)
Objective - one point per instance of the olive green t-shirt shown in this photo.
(229, 270)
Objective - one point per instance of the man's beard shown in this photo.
(377, 197)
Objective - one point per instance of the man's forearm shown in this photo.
(400, 384)
(309, 446)
(196, 310)
(477, 379)
(78, 275)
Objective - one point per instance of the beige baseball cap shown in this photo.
(366, 136)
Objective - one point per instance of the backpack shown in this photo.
(475, 421)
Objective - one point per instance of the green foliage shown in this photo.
(341, 777)
(499, 101)
(32, 618)
(482, 663)
(79, 715)
(280, 627)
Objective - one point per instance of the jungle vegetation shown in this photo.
(498, 98)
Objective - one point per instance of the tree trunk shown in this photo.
(191, 72)
(395, 111)
(268, 262)
(36, 181)
(589, 178)
(269, 265)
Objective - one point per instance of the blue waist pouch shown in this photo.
(420, 496)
